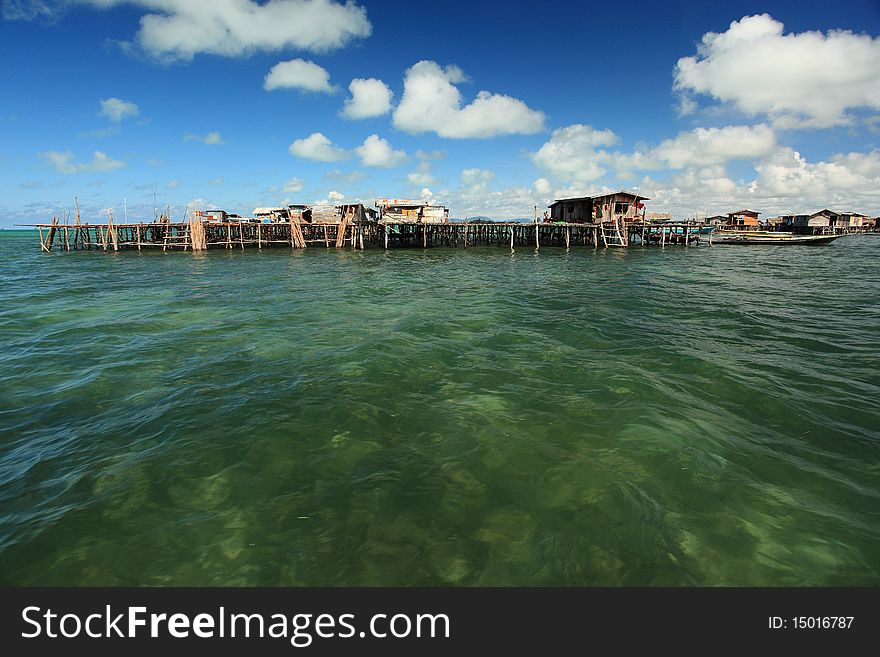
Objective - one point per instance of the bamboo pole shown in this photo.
(66, 233)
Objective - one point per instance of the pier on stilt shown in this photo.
(200, 235)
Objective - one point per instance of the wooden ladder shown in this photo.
(176, 240)
(611, 235)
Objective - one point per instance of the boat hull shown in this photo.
(777, 238)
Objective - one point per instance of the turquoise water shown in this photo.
(693, 416)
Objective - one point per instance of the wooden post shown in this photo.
(291, 232)
(228, 234)
(567, 237)
(42, 244)
(385, 227)
(259, 236)
(511, 238)
(537, 235)
(687, 232)
(241, 234)
(663, 237)
(138, 230)
(595, 237)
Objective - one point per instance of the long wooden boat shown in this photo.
(768, 237)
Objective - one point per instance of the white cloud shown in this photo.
(294, 185)
(785, 182)
(317, 147)
(369, 97)
(798, 80)
(432, 103)
(117, 109)
(430, 155)
(178, 29)
(298, 74)
(705, 146)
(210, 139)
(422, 175)
(62, 161)
(571, 153)
(216, 182)
(335, 196)
(377, 152)
(471, 177)
(348, 178)
(787, 174)
(172, 184)
(542, 186)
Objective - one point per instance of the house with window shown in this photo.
(572, 210)
(410, 211)
(743, 219)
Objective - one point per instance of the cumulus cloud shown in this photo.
(369, 97)
(430, 155)
(317, 147)
(294, 185)
(210, 139)
(298, 74)
(181, 29)
(474, 176)
(786, 173)
(172, 184)
(808, 79)
(432, 103)
(543, 186)
(422, 176)
(63, 162)
(706, 146)
(117, 109)
(348, 178)
(377, 152)
(575, 153)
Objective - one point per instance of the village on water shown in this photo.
(618, 219)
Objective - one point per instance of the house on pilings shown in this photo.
(743, 219)
(411, 212)
(331, 214)
(617, 207)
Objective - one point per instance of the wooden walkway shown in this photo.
(199, 235)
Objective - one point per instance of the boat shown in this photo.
(768, 237)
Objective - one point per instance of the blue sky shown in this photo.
(489, 108)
